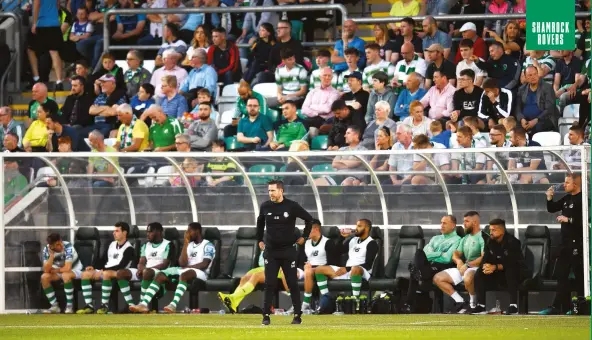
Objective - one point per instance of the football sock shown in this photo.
(86, 291)
(50, 296)
(150, 292)
(69, 291)
(107, 286)
(181, 288)
(125, 291)
(307, 298)
(356, 283)
(241, 292)
(322, 283)
(473, 300)
(456, 296)
(145, 284)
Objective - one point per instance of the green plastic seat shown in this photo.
(297, 29)
(321, 168)
(273, 115)
(232, 143)
(320, 142)
(300, 114)
(261, 168)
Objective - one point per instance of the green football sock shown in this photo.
(69, 291)
(125, 291)
(107, 286)
(50, 295)
(145, 284)
(307, 297)
(181, 288)
(322, 283)
(86, 291)
(356, 283)
(150, 292)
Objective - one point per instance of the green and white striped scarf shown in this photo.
(126, 134)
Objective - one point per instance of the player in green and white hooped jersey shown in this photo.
(195, 261)
(154, 257)
(467, 258)
(60, 262)
(120, 254)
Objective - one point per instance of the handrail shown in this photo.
(291, 8)
(4, 76)
(17, 46)
(453, 17)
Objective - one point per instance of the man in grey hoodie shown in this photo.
(203, 131)
(380, 92)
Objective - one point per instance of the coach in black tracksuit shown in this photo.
(571, 253)
(279, 214)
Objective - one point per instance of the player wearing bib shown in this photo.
(320, 251)
(195, 261)
(434, 257)
(60, 262)
(362, 251)
(467, 258)
(154, 257)
(120, 254)
(248, 282)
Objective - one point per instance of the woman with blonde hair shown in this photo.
(419, 123)
(513, 43)
(381, 36)
(202, 39)
(384, 141)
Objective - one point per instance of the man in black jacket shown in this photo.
(357, 98)
(337, 125)
(284, 39)
(500, 66)
(467, 98)
(77, 105)
(571, 253)
(495, 103)
(503, 266)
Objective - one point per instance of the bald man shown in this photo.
(409, 63)
(348, 39)
(39, 95)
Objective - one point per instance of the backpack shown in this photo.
(252, 309)
(382, 304)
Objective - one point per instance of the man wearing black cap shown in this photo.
(279, 214)
(503, 265)
(344, 117)
(357, 99)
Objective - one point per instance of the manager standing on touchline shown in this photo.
(279, 214)
(571, 255)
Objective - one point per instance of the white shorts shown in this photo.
(455, 274)
(199, 274)
(347, 276)
(77, 273)
(134, 272)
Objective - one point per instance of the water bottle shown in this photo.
(498, 308)
(574, 305)
(187, 310)
(222, 312)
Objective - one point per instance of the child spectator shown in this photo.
(439, 135)
(323, 58)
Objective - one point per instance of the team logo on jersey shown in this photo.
(571, 206)
(356, 249)
(116, 256)
(286, 214)
(194, 254)
(153, 254)
(315, 253)
(293, 264)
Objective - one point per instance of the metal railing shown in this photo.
(454, 17)
(18, 24)
(426, 154)
(291, 8)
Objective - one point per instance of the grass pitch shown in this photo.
(314, 327)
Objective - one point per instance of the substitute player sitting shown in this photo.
(154, 257)
(60, 262)
(320, 251)
(195, 262)
(362, 251)
(120, 254)
(467, 258)
(252, 278)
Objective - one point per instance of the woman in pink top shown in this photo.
(189, 166)
(497, 7)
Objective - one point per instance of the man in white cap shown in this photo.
(469, 31)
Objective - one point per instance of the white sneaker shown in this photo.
(54, 310)
(170, 308)
(69, 310)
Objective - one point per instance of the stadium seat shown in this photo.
(460, 231)
(377, 268)
(164, 180)
(571, 111)
(242, 257)
(273, 115)
(87, 244)
(565, 123)
(172, 234)
(147, 182)
(321, 168)
(44, 173)
(261, 168)
(320, 142)
(134, 239)
(566, 139)
(232, 144)
(537, 251)
(267, 90)
(547, 138)
(396, 272)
